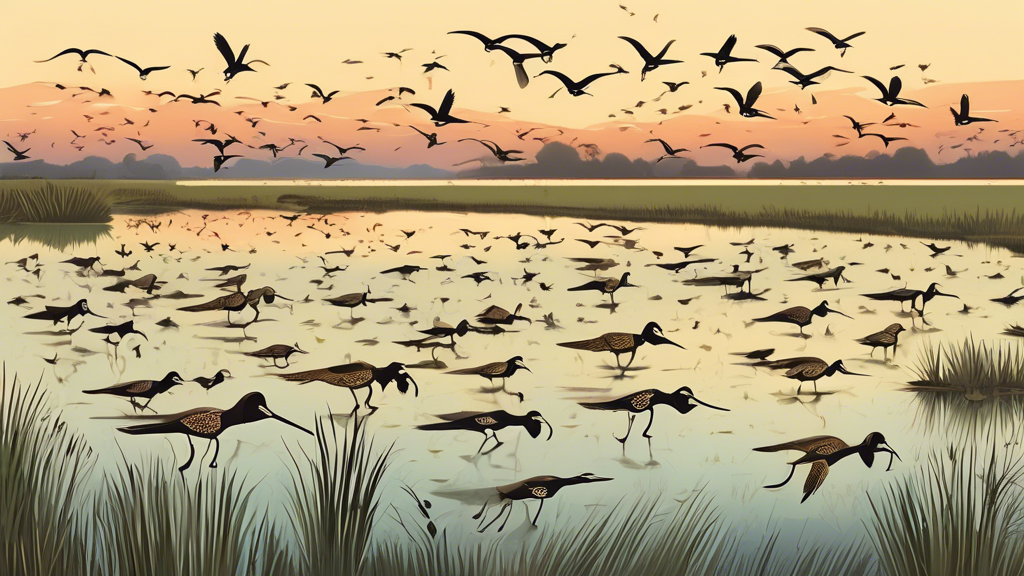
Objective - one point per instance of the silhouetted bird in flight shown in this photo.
(579, 88)
(18, 155)
(739, 154)
(431, 138)
(724, 55)
(318, 93)
(651, 62)
(235, 65)
(442, 116)
(804, 80)
(670, 152)
(746, 106)
(890, 95)
(502, 155)
(840, 44)
(963, 117)
(143, 72)
(782, 55)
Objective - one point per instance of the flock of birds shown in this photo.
(231, 294)
(522, 51)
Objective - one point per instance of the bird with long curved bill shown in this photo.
(209, 423)
(823, 452)
(489, 423)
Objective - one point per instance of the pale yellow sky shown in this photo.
(305, 41)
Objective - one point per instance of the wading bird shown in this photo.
(494, 370)
(536, 488)
(887, 338)
(209, 423)
(619, 343)
(806, 369)
(277, 351)
(358, 375)
(800, 315)
(682, 400)
(489, 423)
(140, 389)
(823, 452)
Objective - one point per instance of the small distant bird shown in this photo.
(143, 72)
(963, 117)
(141, 389)
(840, 44)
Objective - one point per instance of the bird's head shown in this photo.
(173, 379)
(254, 408)
(652, 333)
(533, 424)
(683, 401)
(823, 310)
(396, 372)
(517, 361)
(875, 442)
(933, 289)
(84, 307)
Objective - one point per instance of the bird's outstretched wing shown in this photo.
(640, 48)
(446, 103)
(722, 145)
(753, 94)
(735, 94)
(486, 41)
(561, 77)
(225, 49)
(825, 33)
(878, 84)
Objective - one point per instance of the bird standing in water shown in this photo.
(536, 488)
(209, 423)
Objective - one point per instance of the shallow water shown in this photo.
(703, 450)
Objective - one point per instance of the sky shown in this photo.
(307, 41)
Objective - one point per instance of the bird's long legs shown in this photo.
(507, 516)
(481, 512)
(191, 455)
(786, 481)
(216, 451)
(368, 396)
(648, 436)
(354, 397)
(503, 508)
(498, 443)
(629, 428)
(486, 438)
(538, 512)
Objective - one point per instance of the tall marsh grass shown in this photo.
(961, 514)
(43, 466)
(53, 203)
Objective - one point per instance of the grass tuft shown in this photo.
(53, 203)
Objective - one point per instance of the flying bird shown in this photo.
(840, 44)
(890, 95)
(651, 62)
(235, 65)
(739, 154)
(579, 88)
(143, 72)
(963, 117)
(724, 55)
(746, 106)
(442, 116)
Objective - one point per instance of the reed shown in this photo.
(334, 499)
(959, 516)
(43, 466)
(148, 522)
(54, 203)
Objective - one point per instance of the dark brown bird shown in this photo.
(358, 375)
(619, 343)
(823, 452)
(885, 339)
(807, 369)
(237, 302)
(800, 315)
(498, 315)
(209, 423)
(605, 285)
(277, 351)
(141, 389)
(490, 422)
(494, 370)
(350, 301)
(537, 488)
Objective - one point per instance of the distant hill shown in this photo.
(553, 161)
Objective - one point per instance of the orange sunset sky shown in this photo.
(970, 48)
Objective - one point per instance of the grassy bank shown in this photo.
(971, 213)
(958, 516)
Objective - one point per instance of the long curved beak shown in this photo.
(143, 335)
(284, 298)
(937, 293)
(702, 403)
(285, 420)
(845, 371)
(891, 454)
(95, 314)
(415, 387)
(551, 431)
(838, 312)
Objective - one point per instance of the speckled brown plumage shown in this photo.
(208, 422)
(810, 369)
(485, 420)
(138, 387)
(611, 341)
(641, 400)
(355, 375)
